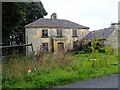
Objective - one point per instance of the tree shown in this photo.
(17, 14)
(34, 11)
(11, 15)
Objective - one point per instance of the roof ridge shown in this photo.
(102, 29)
(43, 22)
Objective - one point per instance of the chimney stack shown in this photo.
(54, 16)
(115, 25)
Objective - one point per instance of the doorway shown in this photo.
(60, 46)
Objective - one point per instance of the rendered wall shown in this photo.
(33, 35)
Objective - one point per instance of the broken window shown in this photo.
(45, 46)
(45, 33)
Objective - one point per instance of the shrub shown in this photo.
(86, 48)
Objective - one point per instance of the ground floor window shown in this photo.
(45, 46)
(74, 45)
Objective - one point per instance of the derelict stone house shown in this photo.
(105, 36)
(54, 34)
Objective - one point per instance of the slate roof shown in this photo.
(99, 34)
(54, 23)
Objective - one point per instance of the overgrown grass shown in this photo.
(50, 70)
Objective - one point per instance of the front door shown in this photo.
(60, 46)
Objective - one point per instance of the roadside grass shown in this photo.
(51, 70)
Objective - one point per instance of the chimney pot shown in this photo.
(54, 16)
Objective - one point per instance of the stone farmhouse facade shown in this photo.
(54, 34)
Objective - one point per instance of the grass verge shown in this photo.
(50, 70)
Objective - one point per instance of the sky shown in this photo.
(96, 14)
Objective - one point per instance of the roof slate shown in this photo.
(99, 34)
(55, 23)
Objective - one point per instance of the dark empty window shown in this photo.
(74, 32)
(74, 45)
(45, 33)
(59, 32)
(45, 46)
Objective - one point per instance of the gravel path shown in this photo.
(105, 82)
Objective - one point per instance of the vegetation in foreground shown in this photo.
(50, 70)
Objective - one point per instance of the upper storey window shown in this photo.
(44, 33)
(59, 32)
(74, 33)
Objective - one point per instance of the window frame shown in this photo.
(44, 33)
(44, 44)
(74, 33)
(75, 45)
(59, 32)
